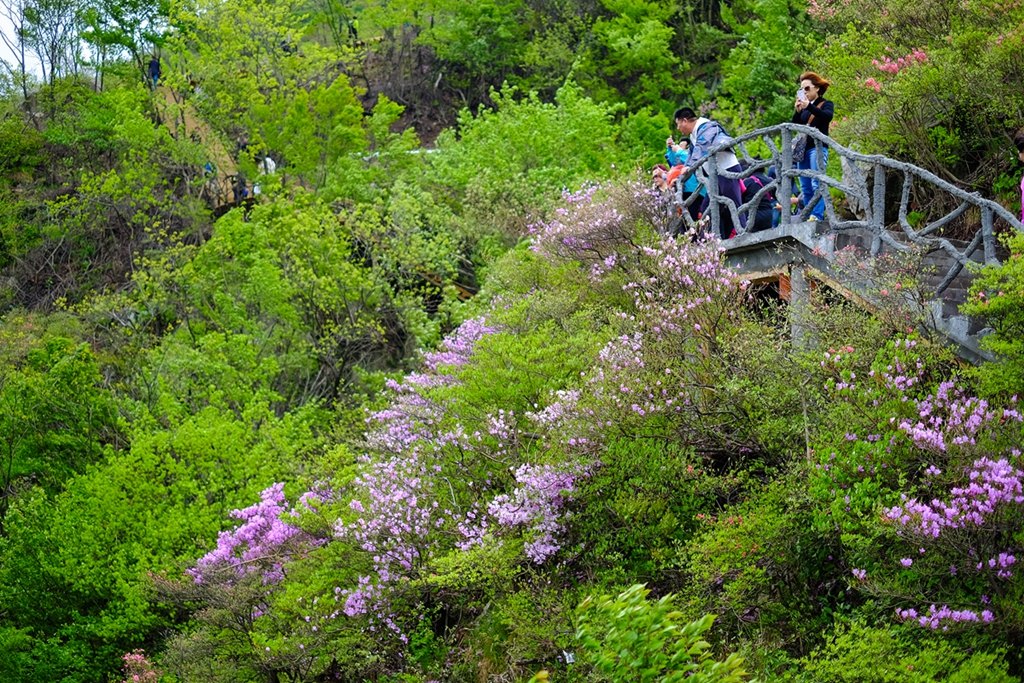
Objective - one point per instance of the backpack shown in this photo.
(769, 196)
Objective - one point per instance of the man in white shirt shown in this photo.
(705, 134)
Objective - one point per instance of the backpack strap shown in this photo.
(715, 134)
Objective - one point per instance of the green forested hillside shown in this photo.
(429, 396)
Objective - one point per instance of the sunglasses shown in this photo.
(807, 87)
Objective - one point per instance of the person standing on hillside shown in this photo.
(154, 70)
(267, 167)
(812, 109)
(705, 134)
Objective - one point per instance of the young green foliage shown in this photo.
(628, 637)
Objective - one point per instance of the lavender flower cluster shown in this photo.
(991, 484)
(951, 418)
(405, 506)
(979, 514)
(537, 503)
(397, 505)
(584, 229)
(943, 616)
(264, 541)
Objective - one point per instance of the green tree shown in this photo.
(633, 55)
(55, 418)
(480, 42)
(314, 132)
(251, 53)
(51, 29)
(271, 310)
(997, 297)
(128, 186)
(113, 28)
(507, 164)
(75, 568)
(759, 74)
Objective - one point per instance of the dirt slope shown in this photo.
(182, 119)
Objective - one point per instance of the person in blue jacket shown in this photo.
(677, 154)
(154, 70)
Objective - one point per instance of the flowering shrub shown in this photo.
(397, 507)
(950, 417)
(536, 503)
(894, 66)
(597, 226)
(909, 444)
(631, 422)
(138, 668)
(436, 482)
(872, 84)
(684, 301)
(972, 534)
(940, 73)
(263, 543)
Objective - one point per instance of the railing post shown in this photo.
(785, 194)
(799, 307)
(677, 205)
(988, 237)
(877, 207)
(878, 199)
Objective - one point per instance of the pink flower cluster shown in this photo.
(457, 348)
(902, 374)
(138, 668)
(823, 10)
(835, 361)
(262, 543)
(894, 66)
(398, 514)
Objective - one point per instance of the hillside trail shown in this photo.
(181, 118)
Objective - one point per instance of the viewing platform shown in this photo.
(936, 229)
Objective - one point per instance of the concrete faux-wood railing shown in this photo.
(799, 248)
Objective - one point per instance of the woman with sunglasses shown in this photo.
(812, 109)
